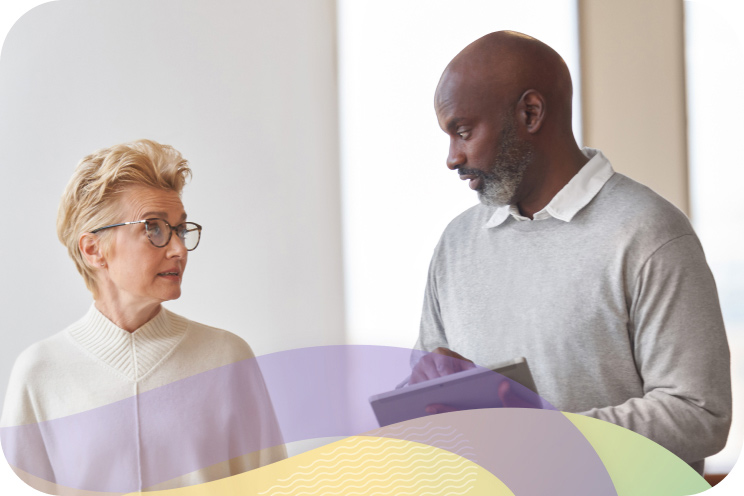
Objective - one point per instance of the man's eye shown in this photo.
(464, 134)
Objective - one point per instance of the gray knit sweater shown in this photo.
(616, 312)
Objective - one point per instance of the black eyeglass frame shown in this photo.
(170, 230)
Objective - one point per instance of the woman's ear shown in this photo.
(531, 110)
(90, 247)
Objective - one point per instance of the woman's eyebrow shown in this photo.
(149, 215)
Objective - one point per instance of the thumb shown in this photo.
(510, 398)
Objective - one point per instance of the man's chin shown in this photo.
(490, 201)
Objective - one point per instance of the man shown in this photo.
(597, 280)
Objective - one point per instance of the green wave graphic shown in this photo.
(637, 465)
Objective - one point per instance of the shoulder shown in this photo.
(213, 341)
(637, 210)
(42, 357)
(473, 218)
(31, 372)
(465, 227)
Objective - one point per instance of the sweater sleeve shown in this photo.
(681, 353)
(20, 433)
(431, 329)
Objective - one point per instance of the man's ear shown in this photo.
(531, 110)
(90, 246)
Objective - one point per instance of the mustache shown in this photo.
(475, 172)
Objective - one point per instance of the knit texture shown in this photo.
(93, 365)
(133, 354)
(616, 312)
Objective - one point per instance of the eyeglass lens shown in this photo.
(159, 233)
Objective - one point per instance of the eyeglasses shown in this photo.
(159, 232)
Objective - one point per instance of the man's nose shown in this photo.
(455, 158)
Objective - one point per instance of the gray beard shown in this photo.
(500, 190)
(501, 184)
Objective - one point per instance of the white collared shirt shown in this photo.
(574, 196)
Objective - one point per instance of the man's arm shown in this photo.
(681, 353)
(431, 329)
(443, 361)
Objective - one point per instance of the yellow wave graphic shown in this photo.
(364, 465)
(359, 466)
(375, 470)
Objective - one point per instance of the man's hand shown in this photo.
(440, 362)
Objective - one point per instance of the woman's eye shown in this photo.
(153, 228)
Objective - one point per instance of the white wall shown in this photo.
(246, 90)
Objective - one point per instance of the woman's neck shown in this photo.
(128, 317)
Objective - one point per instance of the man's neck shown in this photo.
(555, 172)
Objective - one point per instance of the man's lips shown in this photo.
(476, 180)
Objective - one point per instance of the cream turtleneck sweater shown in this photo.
(95, 409)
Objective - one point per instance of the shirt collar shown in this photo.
(574, 196)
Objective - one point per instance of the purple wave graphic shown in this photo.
(225, 413)
(533, 452)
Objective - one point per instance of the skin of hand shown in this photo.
(443, 361)
(440, 362)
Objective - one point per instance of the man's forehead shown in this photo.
(465, 90)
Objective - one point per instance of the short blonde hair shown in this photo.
(91, 197)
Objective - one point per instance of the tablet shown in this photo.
(465, 390)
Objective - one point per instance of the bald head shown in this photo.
(500, 67)
(505, 102)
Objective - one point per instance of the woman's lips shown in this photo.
(173, 275)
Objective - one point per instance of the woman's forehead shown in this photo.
(145, 201)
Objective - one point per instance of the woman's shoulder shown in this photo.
(30, 375)
(43, 354)
(213, 341)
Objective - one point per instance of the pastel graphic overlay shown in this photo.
(380, 465)
(207, 432)
(531, 451)
(545, 465)
(359, 466)
(152, 437)
(445, 437)
(637, 465)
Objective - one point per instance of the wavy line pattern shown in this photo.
(381, 466)
(364, 463)
(450, 439)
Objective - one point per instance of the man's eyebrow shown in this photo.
(453, 123)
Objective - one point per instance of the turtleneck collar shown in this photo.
(132, 354)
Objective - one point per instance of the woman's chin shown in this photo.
(175, 295)
(171, 294)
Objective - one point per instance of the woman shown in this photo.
(132, 396)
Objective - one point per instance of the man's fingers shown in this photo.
(511, 399)
(449, 362)
(425, 370)
(440, 362)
